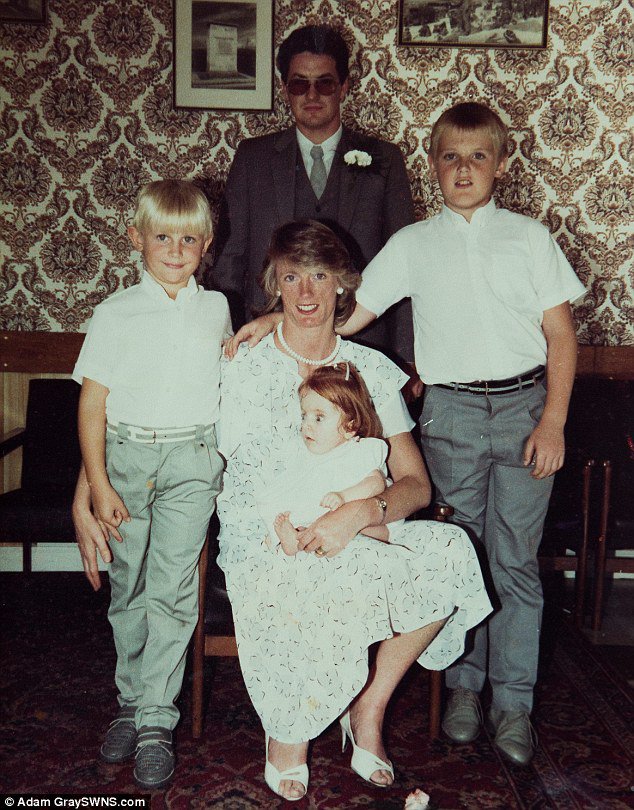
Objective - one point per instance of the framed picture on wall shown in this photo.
(474, 23)
(223, 54)
(23, 11)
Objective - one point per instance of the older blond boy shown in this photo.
(149, 370)
(495, 346)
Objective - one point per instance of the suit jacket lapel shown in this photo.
(283, 167)
(351, 182)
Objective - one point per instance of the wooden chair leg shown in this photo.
(435, 698)
(26, 558)
(441, 513)
(599, 570)
(582, 561)
(198, 654)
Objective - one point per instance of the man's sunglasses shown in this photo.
(325, 86)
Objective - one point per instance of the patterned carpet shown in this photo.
(57, 698)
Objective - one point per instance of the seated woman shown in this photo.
(304, 622)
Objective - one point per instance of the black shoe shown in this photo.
(463, 717)
(120, 741)
(515, 737)
(155, 760)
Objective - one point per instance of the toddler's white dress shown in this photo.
(304, 623)
(309, 476)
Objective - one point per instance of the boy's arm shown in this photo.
(107, 505)
(545, 446)
(359, 319)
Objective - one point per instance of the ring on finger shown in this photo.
(319, 551)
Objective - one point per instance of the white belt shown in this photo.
(160, 435)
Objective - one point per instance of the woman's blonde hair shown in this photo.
(343, 386)
(468, 117)
(177, 204)
(311, 245)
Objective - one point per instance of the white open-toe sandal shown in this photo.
(363, 762)
(273, 777)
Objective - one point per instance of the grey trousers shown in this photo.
(473, 446)
(170, 491)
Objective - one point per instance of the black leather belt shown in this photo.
(507, 386)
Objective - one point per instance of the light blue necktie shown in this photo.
(318, 176)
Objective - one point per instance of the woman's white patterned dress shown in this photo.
(304, 623)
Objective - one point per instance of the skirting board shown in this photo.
(65, 557)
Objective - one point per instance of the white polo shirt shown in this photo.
(159, 358)
(478, 291)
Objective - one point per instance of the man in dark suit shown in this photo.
(280, 177)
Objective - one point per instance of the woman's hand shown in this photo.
(252, 333)
(331, 533)
(91, 534)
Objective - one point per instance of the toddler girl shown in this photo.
(341, 458)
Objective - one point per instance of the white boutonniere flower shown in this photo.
(355, 157)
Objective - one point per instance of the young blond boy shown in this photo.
(490, 294)
(149, 370)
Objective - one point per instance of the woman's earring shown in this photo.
(277, 293)
(339, 290)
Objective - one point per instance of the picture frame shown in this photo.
(23, 11)
(473, 23)
(223, 54)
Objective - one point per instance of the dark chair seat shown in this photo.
(41, 517)
(40, 510)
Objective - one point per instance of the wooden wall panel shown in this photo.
(26, 355)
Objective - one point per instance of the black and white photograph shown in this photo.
(29, 11)
(223, 54)
(474, 23)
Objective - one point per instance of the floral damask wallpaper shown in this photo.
(87, 116)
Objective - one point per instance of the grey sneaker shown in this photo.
(120, 741)
(463, 716)
(155, 760)
(515, 737)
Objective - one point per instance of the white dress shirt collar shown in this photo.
(329, 146)
(153, 288)
(479, 219)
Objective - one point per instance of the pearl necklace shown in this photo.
(305, 360)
